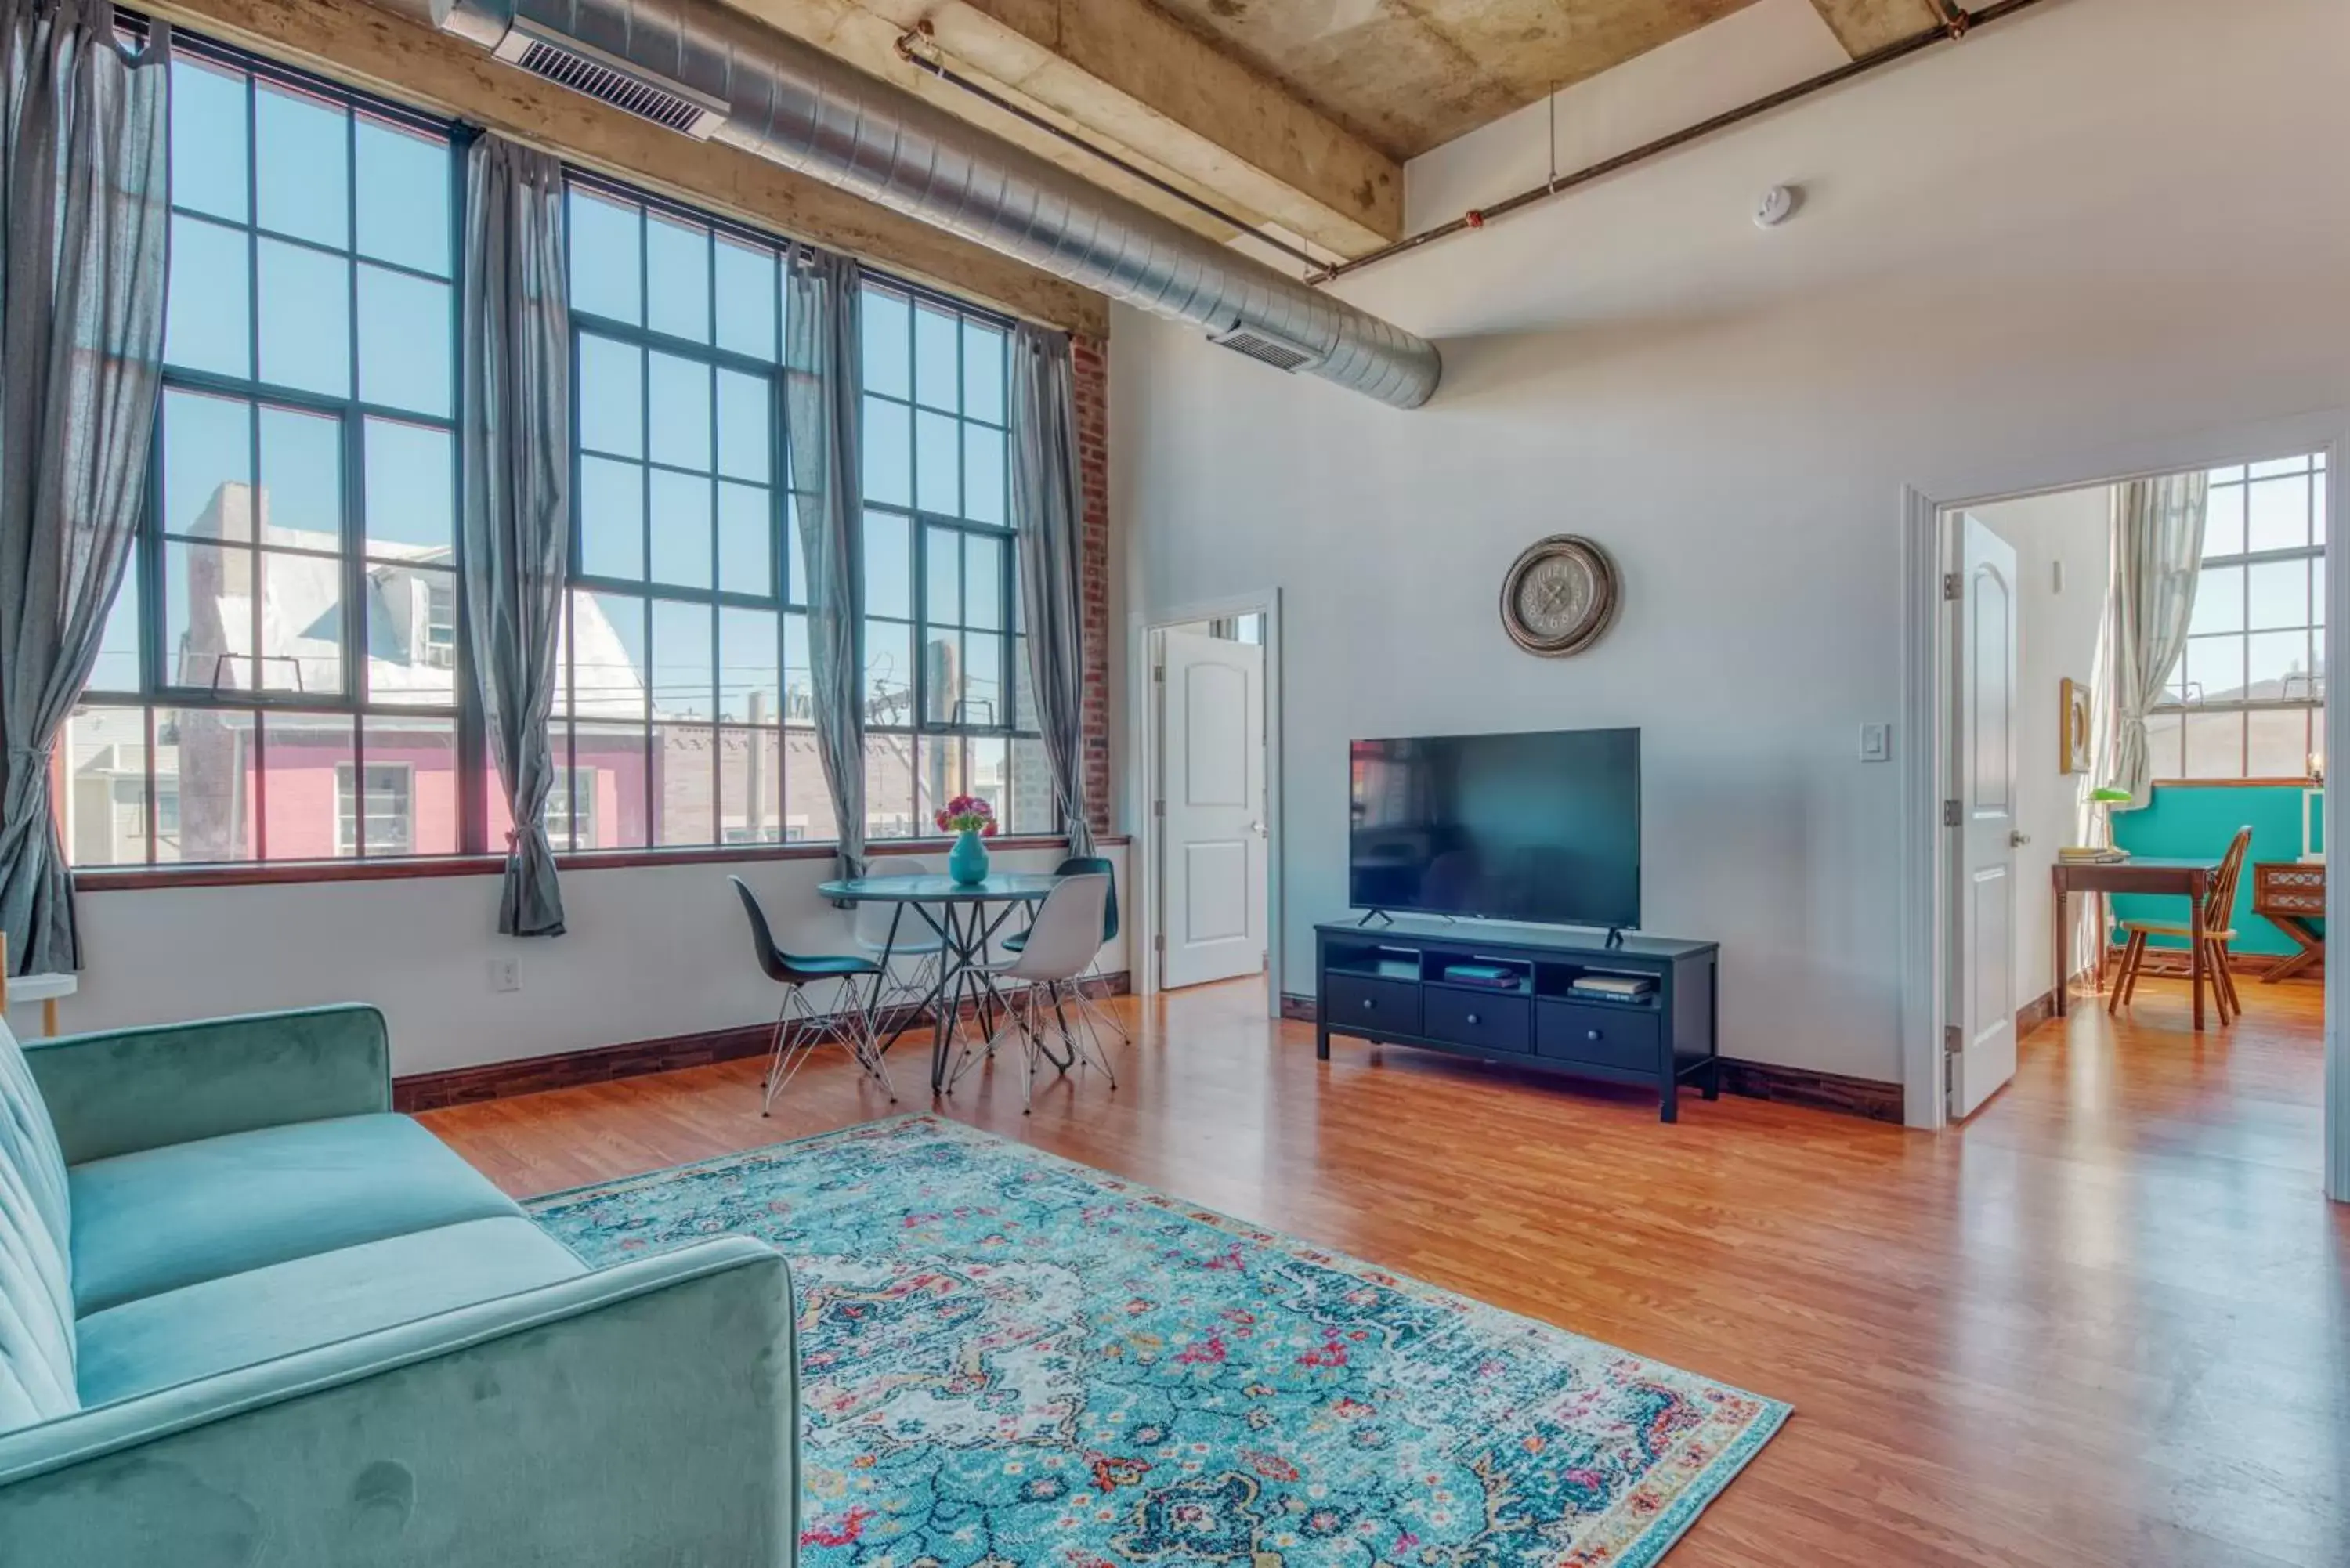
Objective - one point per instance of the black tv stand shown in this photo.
(1615, 936)
(1389, 986)
(1381, 916)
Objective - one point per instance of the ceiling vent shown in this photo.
(1266, 348)
(624, 87)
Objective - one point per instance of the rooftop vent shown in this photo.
(606, 80)
(1266, 348)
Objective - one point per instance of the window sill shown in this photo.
(128, 878)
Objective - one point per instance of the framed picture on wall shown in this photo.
(2073, 751)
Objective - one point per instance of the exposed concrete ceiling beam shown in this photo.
(1126, 77)
(364, 46)
(1864, 27)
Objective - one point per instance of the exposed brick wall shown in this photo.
(1092, 361)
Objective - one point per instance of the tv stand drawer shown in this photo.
(1598, 1034)
(1381, 1006)
(1481, 1020)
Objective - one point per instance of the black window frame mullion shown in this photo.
(645, 445)
(474, 764)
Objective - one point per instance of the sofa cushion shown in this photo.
(238, 1320)
(165, 1218)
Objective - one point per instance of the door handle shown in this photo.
(1257, 828)
(2018, 840)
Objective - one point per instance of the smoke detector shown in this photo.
(1776, 205)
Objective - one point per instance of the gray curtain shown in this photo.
(2158, 533)
(514, 429)
(84, 242)
(1048, 513)
(824, 387)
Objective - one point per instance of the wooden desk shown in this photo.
(2189, 879)
(2289, 894)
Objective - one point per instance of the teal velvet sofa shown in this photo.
(250, 1316)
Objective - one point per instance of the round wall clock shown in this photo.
(1559, 596)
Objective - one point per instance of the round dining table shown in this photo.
(959, 912)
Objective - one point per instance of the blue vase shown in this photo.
(967, 861)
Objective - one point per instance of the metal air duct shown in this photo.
(727, 79)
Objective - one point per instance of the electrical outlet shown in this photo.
(505, 975)
(1877, 743)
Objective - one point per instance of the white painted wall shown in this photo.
(650, 952)
(2056, 636)
(2035, 258)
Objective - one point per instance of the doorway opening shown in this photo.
(1208, 710)
(2131, 716)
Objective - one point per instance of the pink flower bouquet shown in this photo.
(967, 814)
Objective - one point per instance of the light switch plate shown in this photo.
(1877, 743)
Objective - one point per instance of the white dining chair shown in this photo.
(1061, 943)
(917, 940)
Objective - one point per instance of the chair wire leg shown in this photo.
(1095, 1010)
(792, 1048)
(968, 1055)
(801, 1029)
(1086, 1051)
(863, 1039)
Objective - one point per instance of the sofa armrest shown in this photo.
(122, 1090)
(646, 1413)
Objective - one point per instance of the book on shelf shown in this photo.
(1614, 987)
(1493, 976)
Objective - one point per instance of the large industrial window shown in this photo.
(2248, 699)
(684, 718)
(948, 708)
(284, 673)
(288, 624)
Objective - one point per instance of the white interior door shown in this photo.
(1211, 832)
(1983, 955)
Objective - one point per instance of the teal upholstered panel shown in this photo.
(2186, 820)
(221, 1325)
(130, 1089)
(165, 1218)
(28, 1140)
(37, 1328)
(641, 1415)
(36, 1349)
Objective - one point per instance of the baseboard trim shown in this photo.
(1867, 1098)
(1863, 1097)
(2043, 1008)
(637, 1059)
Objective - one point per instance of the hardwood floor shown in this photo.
(2108, 1323)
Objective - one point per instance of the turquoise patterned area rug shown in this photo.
(1012, 1360)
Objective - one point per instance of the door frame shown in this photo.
(1143, 699)
(1925, 757)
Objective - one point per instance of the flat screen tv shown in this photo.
(1541, 826)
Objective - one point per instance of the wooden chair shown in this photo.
(2218, 909)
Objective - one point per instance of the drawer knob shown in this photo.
(1472, 1018)
(1593, 1034)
